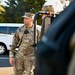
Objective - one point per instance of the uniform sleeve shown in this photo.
(14, 44)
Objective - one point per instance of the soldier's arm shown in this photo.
(14, 44)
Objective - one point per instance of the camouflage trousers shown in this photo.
(23, 66)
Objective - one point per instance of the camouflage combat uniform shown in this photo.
(24, 57)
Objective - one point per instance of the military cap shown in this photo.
(28, 15)
(48, 8)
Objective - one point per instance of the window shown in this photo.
(13, 29)
(7, 30)
(3, 30)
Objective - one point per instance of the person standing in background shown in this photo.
(24, 58)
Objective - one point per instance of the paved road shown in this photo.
(4, 61)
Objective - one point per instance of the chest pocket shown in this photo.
(29, 38)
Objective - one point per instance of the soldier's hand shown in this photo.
(51, 14)
(12, 61)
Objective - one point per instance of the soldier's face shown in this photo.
(27, 21)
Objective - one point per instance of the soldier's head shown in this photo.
(48, 8)
(53, 6)
(28, 18)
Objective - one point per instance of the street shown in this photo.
(5, 67)
(4, 61)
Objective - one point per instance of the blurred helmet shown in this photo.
(54, 4)
(48, 8)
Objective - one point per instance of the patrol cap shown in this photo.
(56, 4)
(48, 8)
(28, 15)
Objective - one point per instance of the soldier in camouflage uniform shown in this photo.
(24, 57)
(50, 10)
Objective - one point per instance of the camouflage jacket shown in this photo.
(25, 48)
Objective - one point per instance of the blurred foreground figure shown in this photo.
(54, 54)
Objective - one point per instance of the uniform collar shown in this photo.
(31, 29)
